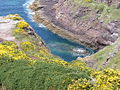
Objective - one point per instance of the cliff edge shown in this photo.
(91, 23)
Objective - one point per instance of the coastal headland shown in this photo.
(87, 23)
(26, 63)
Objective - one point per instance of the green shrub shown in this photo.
(27, 46)
(20, 75)
(22, 24)
(13, 16)
(89, 1)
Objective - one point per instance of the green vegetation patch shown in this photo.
(20, 75)
(28, 65)
(101, 11)
(108, 57)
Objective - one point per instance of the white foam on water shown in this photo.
(27, 10)
(41, 25)
(30, 12)
(79, 50)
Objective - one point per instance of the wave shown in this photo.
(27, 10)
(41, 25)
(81, 52)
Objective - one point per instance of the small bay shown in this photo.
(58, 46)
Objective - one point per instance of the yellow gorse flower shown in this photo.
(11, 51)
(89, 1)
(27, 46)
(19, 30)
(22, 24)
(13, 17)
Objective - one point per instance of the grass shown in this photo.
(42, 75)
(106, 13)
(43, 71)
(111, 52)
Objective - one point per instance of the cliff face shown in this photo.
(26, 64)
(109, 2)
(109, 57)
(95, 25)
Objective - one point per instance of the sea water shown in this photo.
(58, 46)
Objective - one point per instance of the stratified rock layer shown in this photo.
(76, 22)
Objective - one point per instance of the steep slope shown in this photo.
(28, 65)
(90, 23)
(109, 57)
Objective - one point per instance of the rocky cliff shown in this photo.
(87, 22)
(26, 64)
(109, 57)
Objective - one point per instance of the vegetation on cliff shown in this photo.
(92, 23)
(109, 57)
(28, 65)
(104, 12)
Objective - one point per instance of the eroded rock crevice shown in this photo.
(80, 23)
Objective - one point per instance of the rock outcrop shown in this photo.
(78, 22)
(109, 57)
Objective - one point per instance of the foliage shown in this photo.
(19, 30)
(14, 17)
(89, 1)
(24, 73)
(10, 51)
(31, 74)
(80, 84)
(20, 27)
(19, 75)
(108, 79)
(27, 46)
(44, 75)
(10, 43)
(22, 24)
(30, 66)
(101, 11)
(110, 53)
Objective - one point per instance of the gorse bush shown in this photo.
(10, 43)
(19, 72)
(27, 46)
(108, 79)
(13, 17)
(22, 24)
(89, 1)
(80, 84)
(28, 65)
(20, 75)
(10, 50)
(51, 73)
(19, 30)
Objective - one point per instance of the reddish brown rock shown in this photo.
(59, 17)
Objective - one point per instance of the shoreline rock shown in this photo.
(11, 21)
(92, 37)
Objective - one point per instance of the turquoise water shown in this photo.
(59, 46)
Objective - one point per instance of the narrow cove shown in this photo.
(58, 46)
